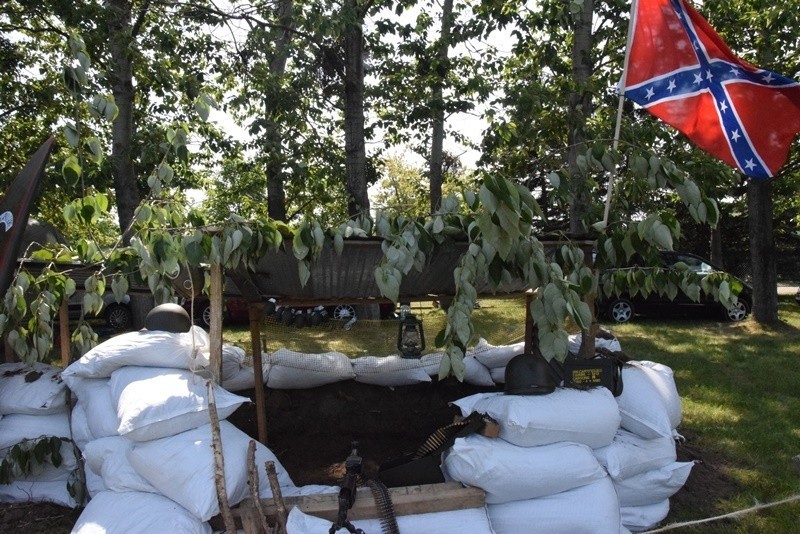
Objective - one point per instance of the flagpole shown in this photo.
(618, 125)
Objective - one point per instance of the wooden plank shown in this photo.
(256, 312)
(406, 500)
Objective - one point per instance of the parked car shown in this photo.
(623, 308)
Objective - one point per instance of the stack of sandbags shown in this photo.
(141, 419)
(642, 459)
(33, 406)
(541, 473)
(475, 372)
(496, 357)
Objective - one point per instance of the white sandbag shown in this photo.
(471, 520)
(131, 512)
(94, 395)
(81, 433)
(287, 369)
(153, 403)
(23, 491)
(243, 379)
(589, 417)
(389, 370)
(232, 360)
(145, 348)
(631, 454)
(181, 467)
(498, 375)
(589, 509)
(94, 483)
(108, 458)
(507, 472)
(16, 428)
(35, 389)
(649, 404)
(475, 372)
(493, 356)
(653, 486)
(574, 343)
(644, 518)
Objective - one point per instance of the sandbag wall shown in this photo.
(33, 405)
(141, 421)
(573, 460)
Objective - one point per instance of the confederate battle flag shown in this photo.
(682, 72)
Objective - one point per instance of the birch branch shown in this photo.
(219, 462)
(280, 506)
(252, 481)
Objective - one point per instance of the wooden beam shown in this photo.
(406, 500)
(255, 312)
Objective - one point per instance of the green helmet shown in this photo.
(529, 374)
(169, 318)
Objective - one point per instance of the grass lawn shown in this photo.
(740, 387)
(739, 383)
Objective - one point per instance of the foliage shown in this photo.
(21, 460)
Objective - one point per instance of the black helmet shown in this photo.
(529, 374)
(169, 318)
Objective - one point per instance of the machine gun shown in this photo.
(347, 493)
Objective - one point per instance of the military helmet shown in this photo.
(169, 318)
(528, 374)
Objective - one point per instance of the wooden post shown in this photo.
(63, 331)
(529, 296)
(215, 328)
(255, 312)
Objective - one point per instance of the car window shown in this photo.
(695, 264)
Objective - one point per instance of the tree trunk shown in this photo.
(276, 196)
(121, 74)
(762, 252)
(716, 247)
(354, 146)
(437, 108)
(580, 107)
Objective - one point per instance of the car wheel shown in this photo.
(205, 316)
(343, 311)
(118, 317)
(621, 311)
(738, 311)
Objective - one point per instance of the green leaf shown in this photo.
(299, 248)
(71, 170)
(95, 150)
(202, 109)
(165, 172)
(72, 135)
(338, 244)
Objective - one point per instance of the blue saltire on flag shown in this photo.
(681, 71)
